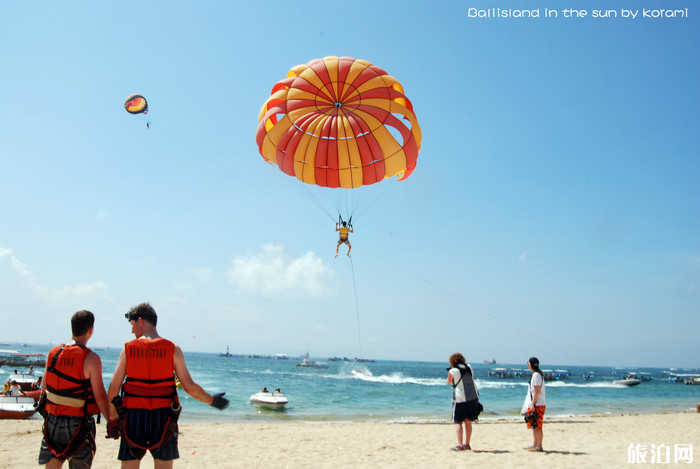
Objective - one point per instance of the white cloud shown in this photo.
(52, 294)
(523, 257)
(272, 272)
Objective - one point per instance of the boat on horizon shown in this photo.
(490, 362)
(306, 362)
(627, 382)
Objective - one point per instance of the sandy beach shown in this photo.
(568, 442)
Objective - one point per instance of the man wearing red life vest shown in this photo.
(72, 392)
(146, 396)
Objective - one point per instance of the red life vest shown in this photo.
(68, 390)
(150, 379)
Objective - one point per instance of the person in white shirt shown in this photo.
(535, 404)
(465, 399)
(15, 389)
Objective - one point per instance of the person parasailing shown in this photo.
(344, 232)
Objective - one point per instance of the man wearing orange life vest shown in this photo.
(344, 232)
(72, 392)
(149, 407)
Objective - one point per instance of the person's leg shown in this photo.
(349, 247)
(133, 464)
(459, 434)
(538, 435)
(54, 464)
(468, 433)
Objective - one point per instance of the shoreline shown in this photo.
(595, 441)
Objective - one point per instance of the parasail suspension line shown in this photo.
(357, 309)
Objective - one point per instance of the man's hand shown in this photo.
(219, 401)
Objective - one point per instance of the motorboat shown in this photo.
(500, 373)
(627, 382)
(589, 376)
(306, 362)
(640, 375)
(25, 360)
(275, 400)
(17, 408)
(25, 380)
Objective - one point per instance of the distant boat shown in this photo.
(627, 382)
(227, 354)
(640, 375)
(281, 356)
(589, 376)
(306, 362)
(490, 362)
(500, 373)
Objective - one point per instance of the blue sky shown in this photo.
(554, 210)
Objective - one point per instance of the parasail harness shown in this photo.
(77, 396)
(139, 388)
(341, 221)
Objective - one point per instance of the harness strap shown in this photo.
(170, 428)
(63, 400)
(134, 390)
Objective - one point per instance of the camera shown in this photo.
(531, 418)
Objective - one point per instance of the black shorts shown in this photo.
(462, 411)
(344, 240)
(145, 428)
(60, 431)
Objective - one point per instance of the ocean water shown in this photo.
(402, 391)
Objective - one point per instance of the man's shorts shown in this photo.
(60, 431)
(145, 428)
(343, 240)
(462, 411)
(539, 410)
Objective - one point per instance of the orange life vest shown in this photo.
(68, 390)
(150, 380)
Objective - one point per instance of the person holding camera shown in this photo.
(535, 404)
(465, 399)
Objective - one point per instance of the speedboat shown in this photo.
(275, 400)
(21, 407)
(25, 380)
(627, 382)
(306, 362)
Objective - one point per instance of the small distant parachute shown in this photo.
(338, 122)
(136, 104)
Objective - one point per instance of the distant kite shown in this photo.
(339, 122)
(136, 104)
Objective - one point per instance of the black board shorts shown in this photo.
(60, 431)
(145, 428)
